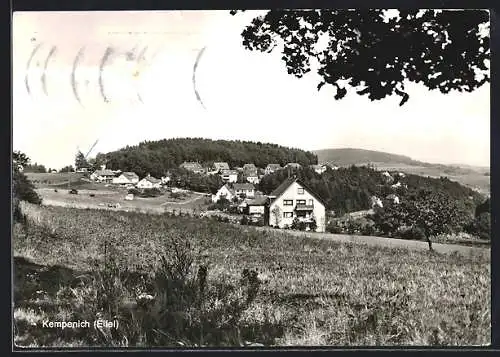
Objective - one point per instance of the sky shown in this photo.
(246, 95)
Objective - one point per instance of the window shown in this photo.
(287, 202)
(301, 202)
(287, 214)
(311, 202)
(300, 191)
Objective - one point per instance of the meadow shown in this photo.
(188, 282)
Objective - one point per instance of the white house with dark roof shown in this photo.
(126, 178)
(193, 167)
(319, 169)
(149, 182)
(229, 175)
(270, 168)
(219, 166)
(246, 189)
(103, 175)
(226, 192)
(292, 199)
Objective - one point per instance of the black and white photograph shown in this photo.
(251, 179)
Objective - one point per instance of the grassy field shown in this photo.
(54, 178)
(308, 292)
(103, 196)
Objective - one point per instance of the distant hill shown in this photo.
(473, 177)
(349, 156)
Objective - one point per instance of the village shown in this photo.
(290, 205)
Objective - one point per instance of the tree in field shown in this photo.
(81, 161)
(371, 53)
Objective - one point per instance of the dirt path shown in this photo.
(389, 242)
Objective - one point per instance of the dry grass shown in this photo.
(313, 292)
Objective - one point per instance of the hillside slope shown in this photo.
(474, 177)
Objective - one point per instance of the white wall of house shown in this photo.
(147, 184)
(292, 194)
(256, 210)
(123, 180)
(230, 178)
(223, 192)
(253, 179)
(248, 193)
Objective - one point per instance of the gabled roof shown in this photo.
(248, 167)
(130, 175)
(257, 201)
(243, 186)
(284, 186)
(152, 179)
(221, 165)
(104, 173)
(191, 165)
(273, 166)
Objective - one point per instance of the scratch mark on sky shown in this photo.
(194, 77)
(107, 53)
(73, 73)
(26, 80)
(44, 75)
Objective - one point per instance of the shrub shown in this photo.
(244, 220)
(151, 192)
(134, 191)
(480, 226)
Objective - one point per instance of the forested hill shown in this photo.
(156, 157)
(349, 189)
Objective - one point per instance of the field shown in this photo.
(103, 196)
(53, 178)
(308, 291)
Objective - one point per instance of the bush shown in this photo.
(134, 191)
(151, 192)
(480, 226)
(244, 220)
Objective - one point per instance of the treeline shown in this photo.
(350, 189)
(158, 157)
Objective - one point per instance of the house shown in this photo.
(126, 178)
(149, 182)
(193, 167)
(396, 185)
(318, 168)
(332, 166)
(253, 179)
(103, 175)
(246, 189)
(257, 206)
(165, 179)
(292, 199)
(387, 177)
(249, 168)
(270, 168)
(226, 192)
(220, 166)
(376, 202)
(229, 175)
(293, 165)
(392, 197)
